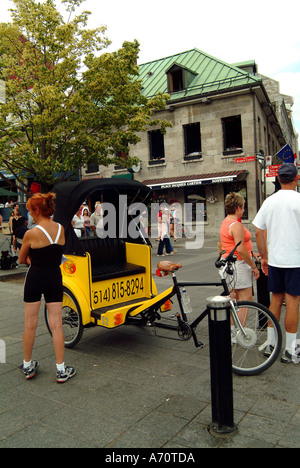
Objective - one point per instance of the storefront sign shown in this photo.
(190, 183)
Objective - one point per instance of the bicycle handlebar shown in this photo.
(229, 259)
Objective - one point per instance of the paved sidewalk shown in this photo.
(133, 389)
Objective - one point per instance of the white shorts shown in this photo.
(243, 275)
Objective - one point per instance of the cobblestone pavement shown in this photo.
(134, 389)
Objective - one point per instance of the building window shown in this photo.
(232, 135)
(197, 197)
(157, 147)
(179, 78)
(192, 141)
(91, 168)
(175, 79)
(259, 132)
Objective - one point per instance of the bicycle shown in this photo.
(250, 354)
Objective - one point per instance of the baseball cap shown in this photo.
(287, 172)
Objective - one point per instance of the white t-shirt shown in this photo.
(280, 216)
(78, 222)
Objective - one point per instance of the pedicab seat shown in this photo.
(108, 259)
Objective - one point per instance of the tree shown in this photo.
(67, 103)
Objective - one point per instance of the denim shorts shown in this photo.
(282, 280)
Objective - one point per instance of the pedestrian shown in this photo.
(9, 203)
(42, 249)
(278, 220)
(87, 222)
(78, 223)
(20, 231)
(14, 221)
(232, 232)
(164, 233)
(96, 220)
(173, 222)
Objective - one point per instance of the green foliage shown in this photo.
(67, 103)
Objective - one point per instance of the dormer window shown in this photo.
(179, 78)
(176, 80)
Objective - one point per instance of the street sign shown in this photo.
(269, 161)
(244, 160)
(273, 170)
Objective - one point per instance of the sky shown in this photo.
(232, 31)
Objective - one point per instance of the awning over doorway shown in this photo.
(7, 193)
(199, 179)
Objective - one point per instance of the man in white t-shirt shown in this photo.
(96, 220)
(279, 218)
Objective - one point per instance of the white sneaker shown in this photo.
(65, 375)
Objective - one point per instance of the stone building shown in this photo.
(227, 121)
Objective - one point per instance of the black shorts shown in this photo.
(43, 281)
(283, 280)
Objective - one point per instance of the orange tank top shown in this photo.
(227, 240)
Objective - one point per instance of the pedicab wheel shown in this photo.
(71, 318)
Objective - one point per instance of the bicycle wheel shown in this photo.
(249, 353)
(71, 318)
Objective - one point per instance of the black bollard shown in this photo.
(220, 366)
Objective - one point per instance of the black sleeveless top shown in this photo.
(49, 256)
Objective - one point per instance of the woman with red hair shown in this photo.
(42, 249)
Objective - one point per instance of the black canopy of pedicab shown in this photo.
(71, 195)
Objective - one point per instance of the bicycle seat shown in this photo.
(168, 267)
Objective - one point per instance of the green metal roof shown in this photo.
(211, 75)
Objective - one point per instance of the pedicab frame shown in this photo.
(104, 279)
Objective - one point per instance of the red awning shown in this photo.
(199, 179)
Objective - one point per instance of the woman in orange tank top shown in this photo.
(231, 233)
